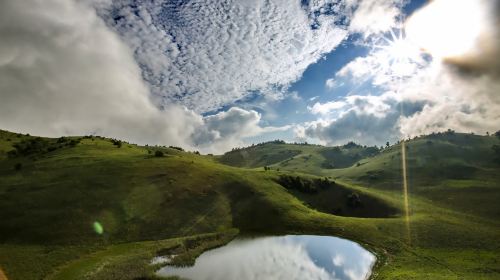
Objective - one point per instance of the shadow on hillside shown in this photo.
(327, 196)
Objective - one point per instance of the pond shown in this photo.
(280, 257)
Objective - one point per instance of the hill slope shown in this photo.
(52, 191)
(297, 157)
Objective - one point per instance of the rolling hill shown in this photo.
(149, 200)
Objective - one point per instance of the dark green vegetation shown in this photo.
(327, 196)
(151, 203)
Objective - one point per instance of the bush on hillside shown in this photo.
(158, 154)
(176, 148)
(353, 200)
(31, 146)
(18, 166)
(116, 143)
(304, 185)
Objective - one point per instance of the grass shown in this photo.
(147, 204)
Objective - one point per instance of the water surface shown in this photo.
(280, 257)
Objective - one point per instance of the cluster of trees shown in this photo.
(159, 154)
(304, 185)
(116, 143)
(351, 145)
(277, 141)
(40, 145)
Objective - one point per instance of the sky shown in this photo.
(214, 75)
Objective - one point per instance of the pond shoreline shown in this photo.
(285, 257)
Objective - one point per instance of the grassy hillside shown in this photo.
(53, 191)
(297, 157)
(454, 170)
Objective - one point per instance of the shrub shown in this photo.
(30, 146)
(18, 166)
(353, 200)
(158, 154)
(12, 153)
(303, 185)
(52, 148)
(74, 142)
(117, 143)
(176, 148)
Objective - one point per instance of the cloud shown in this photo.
(370, 120)
(206, 54)
(229, 129)
(438, 93)
(326, 108)
(338, 260)
(331, 83)
(63, 72)
(375, 16)
(265, 258)
(484, 58)
(465, 104)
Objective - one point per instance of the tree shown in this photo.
(158, 154)
(117, 143)
(353, 200)
(387, 144)
(18, 166)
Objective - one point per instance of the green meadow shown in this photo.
(98, 208)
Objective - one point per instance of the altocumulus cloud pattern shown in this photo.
(206, 54)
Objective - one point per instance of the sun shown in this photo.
(397, 57)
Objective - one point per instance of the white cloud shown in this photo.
(459, 94)
(229, 129)
(461, 103)
(375, 16)
(265, 258)
(338, 260)
(326, 108)
(63, 72)
(369, 120)
(330, 83)
(205, 54)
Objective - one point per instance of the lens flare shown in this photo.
(405, 190)
(98, 228)
(448, 28)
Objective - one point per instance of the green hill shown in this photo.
(297, 157)
(56, 194)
